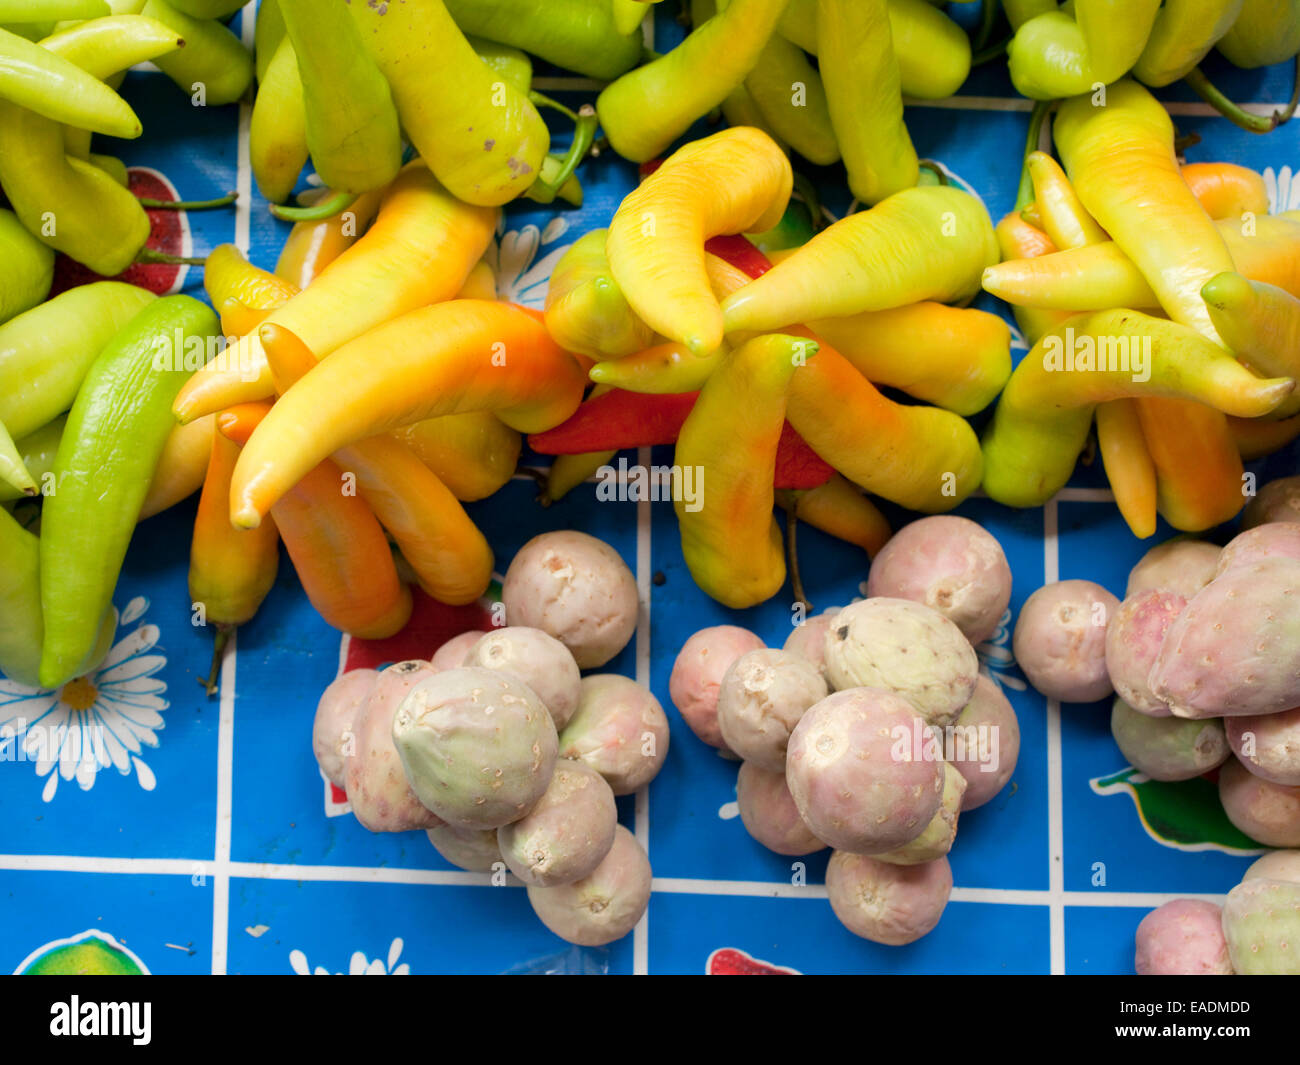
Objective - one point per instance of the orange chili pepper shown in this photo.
(1129, 466)
(1198, 466)
(473, 454)
(1258, 437)
(450, 358)
(1227, 190)
(231, 570)
(335, 543)
(447, 552)
(312, 246)
(839, 508)
(181, 468)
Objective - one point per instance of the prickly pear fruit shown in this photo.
(697, 674)
(1060, 640)
(1235, 648)
(1261, 922)
(891, 904)
(1133, 639)
(1266, 812)
(768, 812)
(1278, 539)
(1277, 501)
(1182, 565)
(536, 658)
(1269, 746)
(620, 730)
(1168, 748)
(567, 834)
(808, 638)
(472, 849)
(762, 697)
(336, 714)
(906, 648)
(856, 775)
(986, 743)
(477, 745)
(939, 834)
(1276, 865)
(603, 906)
(1184, 937)
(950, 564)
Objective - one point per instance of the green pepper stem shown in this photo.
(1036, 119)
(538, 99)
(551, 183)
(316, 212)
(219, 644)
(990, 52)
(989, 10)
(929, 166)
(154, 257)
(1234, 113)
(804, 188)
(1287, 113)
(189, 205)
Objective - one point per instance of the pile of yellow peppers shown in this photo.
(1162, 298)
(866, 302)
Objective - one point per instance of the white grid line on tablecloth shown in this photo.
(1055, 786)
(641, 933)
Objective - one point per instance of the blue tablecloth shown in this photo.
(211, 843)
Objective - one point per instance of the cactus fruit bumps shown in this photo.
(761, 699)
(477, 745)
(567, 834)
(603, 906)
(1184, 937)
(1261, 922)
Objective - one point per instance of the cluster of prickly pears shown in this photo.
(872, 729)
(504, 753)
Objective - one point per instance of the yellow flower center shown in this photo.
(80, 694)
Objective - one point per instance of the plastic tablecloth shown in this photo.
(206, 840)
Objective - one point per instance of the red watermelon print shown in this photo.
(728, 961)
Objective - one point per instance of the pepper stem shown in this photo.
(189, 205)
(804, 188)
(989, 10)
(990, 52)
(1233, 112)
(316, 212)
(154, 257)
(557, 171)
(1036, 119)
(792, 551)
(938, 176)
(218, 653)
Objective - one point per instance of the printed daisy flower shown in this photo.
(1283, 188)
(104, 718)
(521, 277)
(358, 965)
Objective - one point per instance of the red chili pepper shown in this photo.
(740, 253)
(619, 419)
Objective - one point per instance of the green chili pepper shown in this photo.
(214, 67)
(1055, 55)
(13, 472)
(20, 603)
(26, 269)
(863, 86)
(1266, 32)
(37, 451)
(111, 445)
(267, 35)
(352, 129)
(1021, 11)
(788, 90)
(30, 31)
(934, 53)
(1183, 35)
(510, 64)
(208, 8)
(45, 353)
(51, 10)
(482, 138)
(578, 35)
(35, 78)
(112, 166)
(645, 111)
(76, 207)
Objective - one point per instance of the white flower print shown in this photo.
(358, 965)
(1283, 187)
(995, 657)
(521, 277)
(104, 718)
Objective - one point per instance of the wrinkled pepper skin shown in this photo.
(1261, 324)
(586, 311)
(733, 182)
(730, 540)
(928, 243)
(1042, 419)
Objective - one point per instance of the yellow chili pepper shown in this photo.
(445, 549)
(928, 243)
(181, 467)
(1257, 437)
(1042, 420)
(864, 92)
(277, 137)
(1183, 34)
(569, 471)
(1055, 54)
(473, 454)
(1122, 162)
(1018, 239)
(312, 246)
(1065, 220)
(420, 250)
(1261, 323)
(449, 358)
(733, 182)
(586, 311)
(229, 275)
(481, 284)
(1226, 190)
(1128, 463)
(1101, 276)
(923, 458)
(730, 539)
(231, 570)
